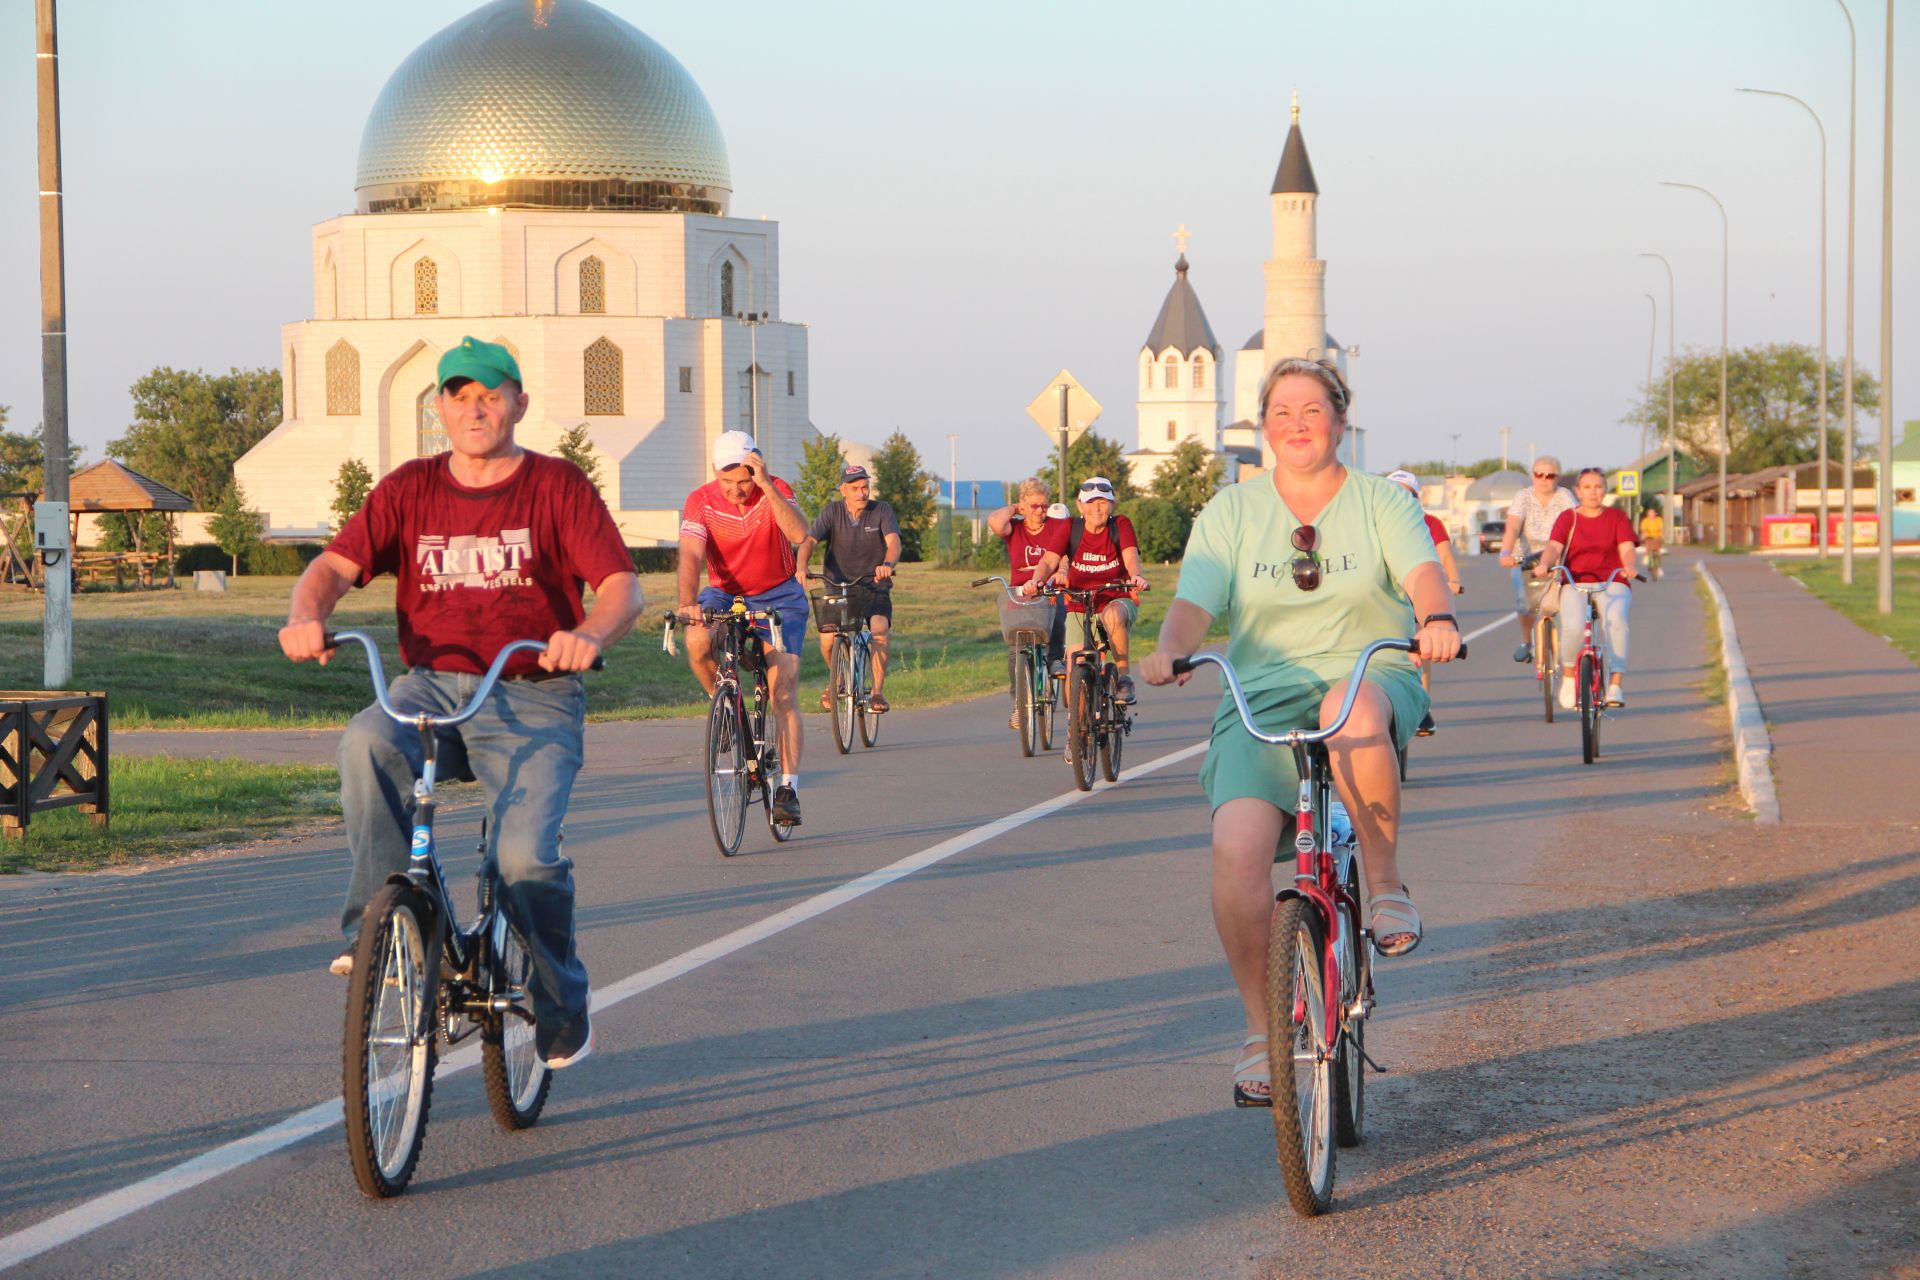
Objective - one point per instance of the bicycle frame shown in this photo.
(1591, 592)
(737, 636)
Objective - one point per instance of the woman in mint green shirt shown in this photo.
(1297, 622)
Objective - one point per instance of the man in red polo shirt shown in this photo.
(742, 527)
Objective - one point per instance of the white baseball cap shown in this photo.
(1406, 478)
(1058, 511)
(1095, 487)
(731, 449)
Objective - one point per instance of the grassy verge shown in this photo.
(163, 806)
(1713, 677)
(1860, 602)
(178, 659)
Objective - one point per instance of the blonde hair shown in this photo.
(1034, 484)
(1322, 371)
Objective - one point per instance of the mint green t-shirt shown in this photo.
(1237, 565)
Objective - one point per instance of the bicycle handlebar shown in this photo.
(708, 616)
(865, 579)
(1561, 571)
(1292, 737)
(467, 712)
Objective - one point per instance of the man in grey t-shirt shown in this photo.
(862, 537)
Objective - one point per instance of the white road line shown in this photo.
(103, 1210)
(1475, 635)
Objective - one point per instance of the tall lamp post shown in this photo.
(1720, 502)
(1846, 447)
(1826, 480)
(50, 513)
(1653, 332)
(1668, 513)
(1884, 505)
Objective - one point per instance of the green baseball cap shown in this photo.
(485, 362)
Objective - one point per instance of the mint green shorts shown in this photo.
(1238, 767)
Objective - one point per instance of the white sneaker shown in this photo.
(342, 966)
(1568, 700)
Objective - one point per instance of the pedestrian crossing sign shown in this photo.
(1627, 484)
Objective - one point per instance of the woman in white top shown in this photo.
(1532, 514)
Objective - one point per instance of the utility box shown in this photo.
(50, 527)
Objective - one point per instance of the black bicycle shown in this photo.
(849, 662)
(420, 979)
(1025, 624)
(1097, 721)
(743, 757)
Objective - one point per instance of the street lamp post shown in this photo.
(1671, 449)
(1720, 503)
(1653, 332)
(1846, 447)
(50, 519)
(1884, 506)
(1826, 480)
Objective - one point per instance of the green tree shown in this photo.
(235, 529)
(1161, 526)
(118, 531)
(350, 490)
(1190, 478)
(819, 480)
(23, 459)
(577, 449)
(1092, 455)
(901, 482)
(190, 428)
(1773, 405)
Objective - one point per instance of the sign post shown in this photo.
(1064, 410)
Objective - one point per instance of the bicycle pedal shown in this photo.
(1368, 1059)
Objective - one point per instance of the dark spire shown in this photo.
(1182, 323)
(1295, 174)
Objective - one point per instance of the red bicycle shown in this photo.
(1319, 968)
(1590, 671)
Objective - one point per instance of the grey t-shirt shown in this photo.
(854, 547)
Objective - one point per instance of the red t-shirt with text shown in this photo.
(480, 568)
(746, 552)
(1097, 561)
(1025, 550)
(1437, 530)
(1593, 542)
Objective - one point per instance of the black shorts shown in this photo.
(865, 602)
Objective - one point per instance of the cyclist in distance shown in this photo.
(490, 543)
(1031, 535)
(1310, 564)
(1653, 535)
(1594, 540)
(1443, 547)
(1530, 519)
(1101, 552)
(862, 537)
(741, 526)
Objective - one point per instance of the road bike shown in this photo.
(1097, 721)
(1546, 646)
(1591, 676)
(1319, 967)
(1025, 624)
(420, 979)
(743, 756)
(849, 662)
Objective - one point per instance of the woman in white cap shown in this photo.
(1310, 563)
(1102, 555)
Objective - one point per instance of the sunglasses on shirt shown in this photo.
(1306, 569)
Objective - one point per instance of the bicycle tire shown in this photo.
(390, 1001)
(727, 795)
(517, 1079)
(1350, 1060)
(1589, 711)
(1049, 701)
(1080, 697)
(840, 691)
(1024, 706)
(1297, 1057)
(1113, 733)
(869, 719)
(1547, 658)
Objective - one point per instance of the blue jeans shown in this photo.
(525, 746)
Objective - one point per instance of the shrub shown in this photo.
(1161, 526)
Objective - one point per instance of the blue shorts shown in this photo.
(790, 598)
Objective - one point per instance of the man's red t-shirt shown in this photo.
(1437, 530)
(1097, 561)
(1025, 550)
(1593, 542)
(480, 568)
(746, 552)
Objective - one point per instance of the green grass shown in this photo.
(1860, 602)
(160, 806)
(182, 659)
(1713, 676)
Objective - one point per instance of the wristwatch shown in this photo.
(1441, 617)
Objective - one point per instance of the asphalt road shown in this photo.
(1011, 1062)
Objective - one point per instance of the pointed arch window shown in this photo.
(343, 380)
(593, 287)
(426, 288)
(1199, 375)
(603, 378)
(726, 288)
(430, 437)
(1173, 371)
(1173, 432)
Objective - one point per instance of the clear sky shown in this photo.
(976, 194)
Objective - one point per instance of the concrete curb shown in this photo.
(1752, 745)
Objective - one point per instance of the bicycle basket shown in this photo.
(1026, 621)
(832, 612)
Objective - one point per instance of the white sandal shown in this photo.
(1252, 1070)
(1398, 909)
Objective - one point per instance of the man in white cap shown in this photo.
(742, 527)
(1102, 554)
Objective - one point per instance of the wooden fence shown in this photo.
(53, 753)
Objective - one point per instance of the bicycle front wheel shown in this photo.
(1080, 748)
(1349, 1058)
(1044, 703)
(1546, 658)
(1113, 735)
(517, 1079)
(840, 689)
(388, 1046)
(1025, 708)
(726, 771)
(1299, 1058)
(1589, 709)
(862, 686)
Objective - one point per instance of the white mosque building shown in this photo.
(1182, 395)
(543, 175)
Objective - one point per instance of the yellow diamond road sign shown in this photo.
(1082, 409)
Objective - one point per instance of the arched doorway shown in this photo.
(430, 437)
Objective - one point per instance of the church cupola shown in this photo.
(1179, 366)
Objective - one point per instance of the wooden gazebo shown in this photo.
(106, 487)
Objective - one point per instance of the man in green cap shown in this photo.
(490, 544)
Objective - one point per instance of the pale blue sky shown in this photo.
(975, 195)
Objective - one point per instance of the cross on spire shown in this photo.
(1296, 105)
(1181, 237)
